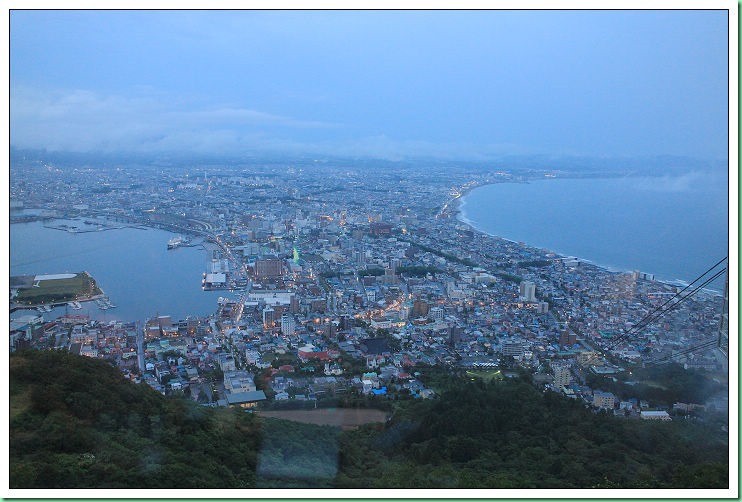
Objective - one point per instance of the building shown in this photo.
(378, 229)
(436, 313)
(528, 291)
(218, 266)
(333, 369)
(655, 415)
(270, 267)
(308, 352)
(359, 257)
(214, 281)
(238, 381)
(331, 301)
(22, 328)
(226, 362)
(604, 400)
(381, 322)
(389, 277)
(294, 304)
(562, 376)
(245, 399)
(454, 333)
(271, 297)
(394, 264)
(287, 324)
(318, 305)
(269, 318)
(514, 349)
(636, 275)
(588, 358)
(374, 361)
(420, 308)
(566, 338)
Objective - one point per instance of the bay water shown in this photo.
(675, 227)
(133, 267)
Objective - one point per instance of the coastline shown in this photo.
(133, 301)
(456, 210)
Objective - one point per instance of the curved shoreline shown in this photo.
(461, 217)
(458, 212)
(129, 306)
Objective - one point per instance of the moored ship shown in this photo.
(177, 242)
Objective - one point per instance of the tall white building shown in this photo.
(436, 313)
(562, 376)
(268, 317)
(528, 291)
(287, 324)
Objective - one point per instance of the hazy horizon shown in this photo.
(468, 85)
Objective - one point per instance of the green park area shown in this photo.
(487, 375)
(59, 289)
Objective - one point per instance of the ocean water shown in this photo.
(675, 227)
(132, 266)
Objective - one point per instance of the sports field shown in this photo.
(346, 418)
(486, 375)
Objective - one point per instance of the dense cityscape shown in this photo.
(368, 252)
(337, 282)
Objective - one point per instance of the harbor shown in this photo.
(104, 303)
(78, 226)
(138, 275)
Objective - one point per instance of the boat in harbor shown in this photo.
(104, 303)
(177, 242)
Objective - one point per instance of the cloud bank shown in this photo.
(81, 120)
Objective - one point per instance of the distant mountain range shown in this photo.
(644, 165)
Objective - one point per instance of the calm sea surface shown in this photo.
(132, 266)
(673, 227)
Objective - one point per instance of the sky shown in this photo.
(469, 85)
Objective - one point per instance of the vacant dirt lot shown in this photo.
(346, 418)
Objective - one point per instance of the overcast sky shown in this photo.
(388, 84)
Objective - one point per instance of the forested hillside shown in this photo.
(75, 422)
(510, 435)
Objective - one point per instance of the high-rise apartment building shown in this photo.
(287, 324)
(436, 313)
(562, 376)
(269, 318)
(528, 291)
